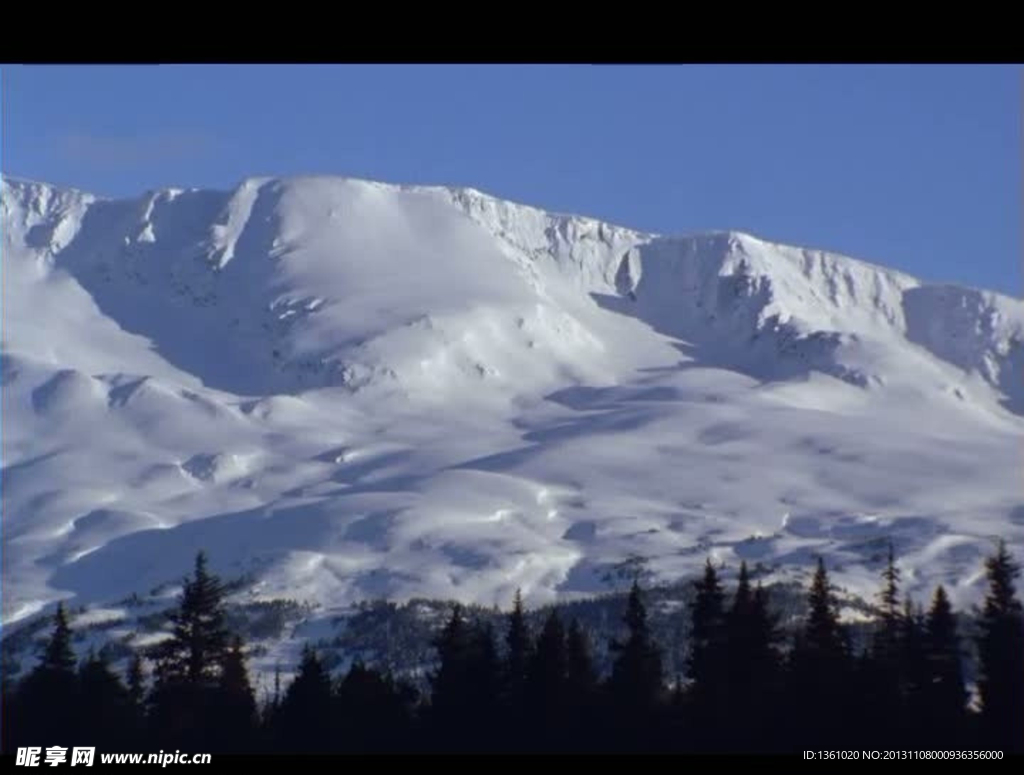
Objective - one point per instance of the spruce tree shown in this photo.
(199, 643)
(820, 666)
(945, 695)
(636, 683)
(913, 674)
(707, 662)
(1001, 655)
(374, 712)
(47, 699)
(581, 673)
(518, 653)
(886, 646)
(708, 630)
(303, 722)
(824, 639)
(109, 718)
(547, 681)
(882, 696)
(582, 690)
(748, 671)
(188, 665)
(58, 656)
(237, 702)
(465, 686)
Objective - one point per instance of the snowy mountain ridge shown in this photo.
(353, 389)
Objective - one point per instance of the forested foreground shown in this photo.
(751, 684)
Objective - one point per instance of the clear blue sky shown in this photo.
(916, 167)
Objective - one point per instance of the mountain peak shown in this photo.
(357, 389)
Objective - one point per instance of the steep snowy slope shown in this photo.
(351, 390)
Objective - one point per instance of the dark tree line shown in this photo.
(751, 685)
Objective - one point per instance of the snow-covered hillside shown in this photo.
(354, 390)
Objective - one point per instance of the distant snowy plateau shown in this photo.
(346, 390)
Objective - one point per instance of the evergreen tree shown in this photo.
(945, 695)
(375, 713)
(195, 653)
(636, 683)
(1001, 655)
(824, 639)
(547, 681)
(582, 691)
(108, 717)
(706, 663)
(236, 701)
(581, 673)
(749, 670)
(184, 700)
(48, 697)
(59, 657)
(519, 648)
(819, 688)
(913, 674)
(303, 721)
(886, 644)
(465, 685)
(881, 696)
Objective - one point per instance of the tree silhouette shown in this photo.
(47, 700)
(707, 662)
(547, 684)
(518, 655)
(636, 682)
(945, 696)
(303, 721)
(237, 701)
(820, 669)
(195, 653)
(1001, 655)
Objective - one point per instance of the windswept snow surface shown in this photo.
(353, 390)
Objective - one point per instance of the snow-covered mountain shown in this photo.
(352, 390)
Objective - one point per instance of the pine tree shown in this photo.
(706, 662)
(188, 665)
(199, 643)
(1001, 655)
(303, 723)
(823, 637)
(636, 683)
(886, 646)
(108, 718)
(580, 670)
(519, 648)
(820, 666)
(58, 657)
(945, 695)
(48, 697)
(465, 685)
(882, 696)
(748, 670)
(547, 682)
(913, 672)
(374, 711)
(237, 702)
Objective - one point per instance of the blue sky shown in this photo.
(915, 167)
